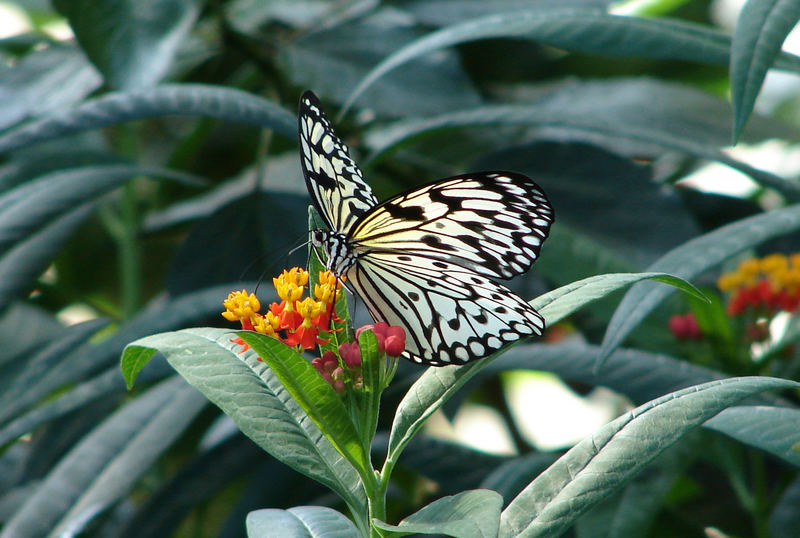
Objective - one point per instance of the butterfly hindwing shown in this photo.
(451, 315)
(491, 222)
(334, 181)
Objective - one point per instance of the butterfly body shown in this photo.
(425, 259)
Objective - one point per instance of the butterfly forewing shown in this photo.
(334, 181)
(491, 222)
(451, 315)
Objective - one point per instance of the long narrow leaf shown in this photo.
(132, 42)
(198, 100)
(136, 457)
(30, 206)
(26, 260)
(587, 123)
(773, 429)
(599, 464)
(79, 468)
(760, 31)
(587, 30)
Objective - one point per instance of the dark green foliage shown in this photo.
(149, 166)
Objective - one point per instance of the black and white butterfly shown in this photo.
(425, 259)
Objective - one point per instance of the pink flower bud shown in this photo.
(395, 345)
(351, 354)
(379, 330)
(685, 327)
(338, 386)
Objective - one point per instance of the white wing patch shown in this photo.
(333, 179)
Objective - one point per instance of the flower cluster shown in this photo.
(391, 338)
(294, 321)
(391, 341)
(767, 284)
(685, 327)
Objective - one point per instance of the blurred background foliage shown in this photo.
(148, 166)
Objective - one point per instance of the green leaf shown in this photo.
(631, 511)
(587, 30)
(26, 260)
(691, 259)
(588, 121)
(611, 456)
(134, 358)
(639, 375)
(106, 463)
(45, 81)
(252, 395)
(760, 31)
(335, 57)
(470, 514)
(773, 429)
(784, 516)
(561, 302)
(301, 521)
(132, 42)
(104, 356)
(108, 383)
(314, 395)
(32, 205)
(200, 100)
(372, 364)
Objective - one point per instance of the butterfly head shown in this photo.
(339, 257)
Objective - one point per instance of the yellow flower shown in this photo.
(296, 276)
(309, 309)
(288, 291)
(328, 289)
(267, 324)
(239, 305)
(729, 281)
(791, 280)
(773, 263)
(749, 268)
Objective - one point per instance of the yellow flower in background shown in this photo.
(770, 284)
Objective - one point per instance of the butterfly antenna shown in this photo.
(284, 260)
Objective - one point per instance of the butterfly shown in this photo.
(426, 259)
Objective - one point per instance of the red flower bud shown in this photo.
(338, 386)
(351, 354)
(329, 360)
(395, 345)
(685, 327)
